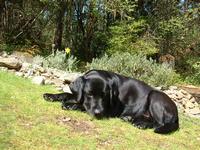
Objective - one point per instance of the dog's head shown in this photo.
(93, 94)
(96, 97)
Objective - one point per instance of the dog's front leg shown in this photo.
(126, 118)
(61, 97)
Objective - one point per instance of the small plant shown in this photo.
(137, 66)
(194, 75)
(71, 63)
(38, 60)
(61, 60)
(8, 48)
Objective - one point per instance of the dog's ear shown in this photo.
(113, 94)
(77, 88)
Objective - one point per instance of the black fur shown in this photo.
(107, 94)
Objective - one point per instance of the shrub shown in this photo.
(137, 66)
(38, 60)
(131, 37)
(193, 75)
(7, 48)
(58, 61)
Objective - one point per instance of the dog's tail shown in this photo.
(168, 127)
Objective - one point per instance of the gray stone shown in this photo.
(25, 67)
(69, 77)
(37, 67)
(30, 72)
(41, 70)
(188, 96)
(10, 63)
(26, 75)
(184, 92)
(158, 88)
(179, 94)
(3, 54)
(57, 73)
(46, 74)
(169, 92)
(3, 69)
(48, 82)
(193, 100)
(183, 101)
(12, 70)
(37, 73)
(193, 111)
(57, 82)
(38, 80)
(173, 96)
(64, 76)
(173, 88)
(189, 104)
(20, 74)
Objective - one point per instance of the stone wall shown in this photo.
(185, 102)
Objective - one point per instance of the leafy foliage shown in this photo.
(60, 61)
(91, 28)
(193, 72)
(170, 35)
(7, 48)
(130, 37)
(122, 9)
(137, 66)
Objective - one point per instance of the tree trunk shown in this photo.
(59, 26)
(89, 33)
(69, 27)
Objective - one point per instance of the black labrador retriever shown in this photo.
(107, 94)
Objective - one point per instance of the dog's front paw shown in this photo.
(141, 125)
(69, 106)
(64, 107)
(126, 118)
(48, 97)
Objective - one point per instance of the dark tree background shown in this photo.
(91, 28)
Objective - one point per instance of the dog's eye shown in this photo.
(90, 95)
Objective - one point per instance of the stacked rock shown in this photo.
(184, 101)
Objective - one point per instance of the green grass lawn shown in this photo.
(29, 122)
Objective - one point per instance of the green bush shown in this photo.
(193, 75)
(137, 66)
(60, 61)
(7, 48)
(38, 60)
(131, 37)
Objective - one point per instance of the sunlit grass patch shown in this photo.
(29, 122)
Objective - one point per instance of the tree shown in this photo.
(59, 24)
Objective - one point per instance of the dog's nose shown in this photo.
(97, 112)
